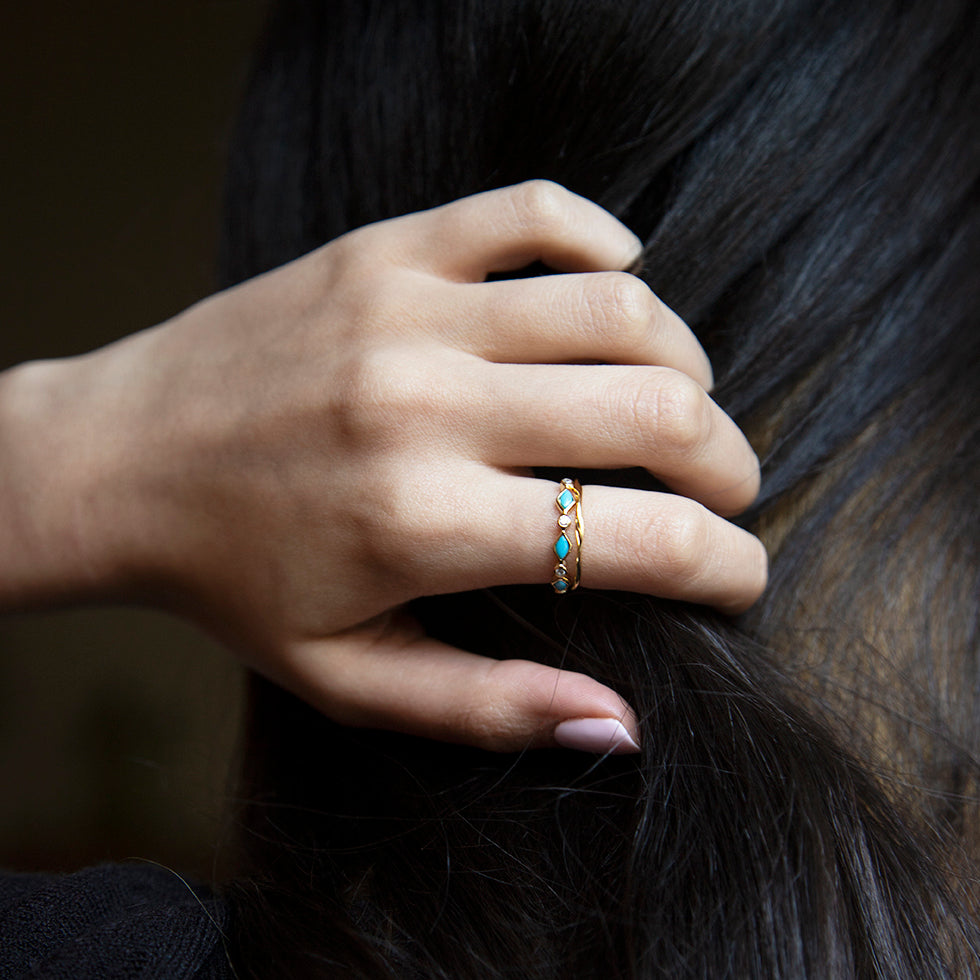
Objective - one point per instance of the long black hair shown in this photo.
(804, 174)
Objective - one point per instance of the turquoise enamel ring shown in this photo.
(568, 547)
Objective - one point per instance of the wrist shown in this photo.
(58, 542)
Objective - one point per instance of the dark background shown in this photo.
(116, 725)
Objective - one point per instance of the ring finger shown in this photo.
(634, 540)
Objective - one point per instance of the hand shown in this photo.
(292, 460)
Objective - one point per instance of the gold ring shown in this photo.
(569, 543)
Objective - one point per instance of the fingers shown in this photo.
(671, 547)
(608, 417)
(512, 227)
(637, 541)
(605, 316)
(387, 674)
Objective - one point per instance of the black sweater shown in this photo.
(113, 922)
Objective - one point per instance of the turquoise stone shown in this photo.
(565, 499)
(562, 546)
(560, 586)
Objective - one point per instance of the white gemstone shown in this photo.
(564, 520)
(566, 482)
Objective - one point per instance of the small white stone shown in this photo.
(566, 482)
(564, 520)
(561, 570)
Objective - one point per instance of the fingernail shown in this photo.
(595, 735)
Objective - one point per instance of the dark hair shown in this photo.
(804, 176)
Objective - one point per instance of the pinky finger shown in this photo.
(388, 674)
(511, 227)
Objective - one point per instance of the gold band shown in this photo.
(569, 543)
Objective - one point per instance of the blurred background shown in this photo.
(117, 726)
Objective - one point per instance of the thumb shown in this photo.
(389, 674)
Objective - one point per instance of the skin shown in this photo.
(289, 462)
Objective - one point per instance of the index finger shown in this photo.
(511, 227)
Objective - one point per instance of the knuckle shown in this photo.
(621, 306)
(497, 713)
(380, 396)
(361, 261)
(629, 299)
(350, 249)
(363, 397)
(482, 724)
(682, 415)
(402, 535)
(389, 414)
(540, 206)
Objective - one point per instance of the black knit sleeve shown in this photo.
(112, 922)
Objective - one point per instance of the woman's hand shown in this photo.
(292, 460)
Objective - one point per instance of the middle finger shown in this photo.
(612, 416)
(601, 316)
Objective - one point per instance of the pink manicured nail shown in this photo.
(595, 735)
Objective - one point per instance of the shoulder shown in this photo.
(110, 921)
